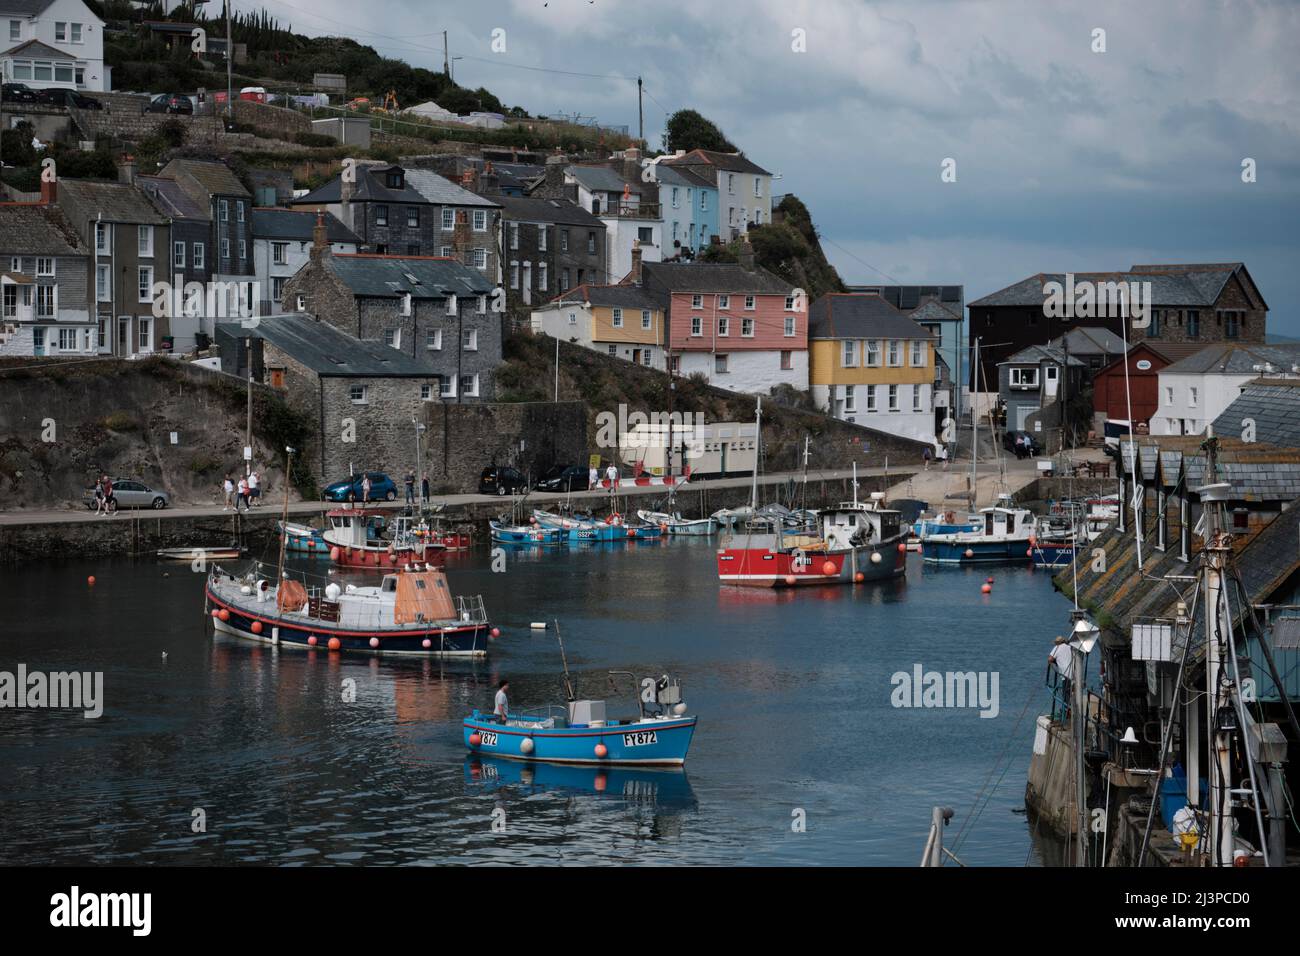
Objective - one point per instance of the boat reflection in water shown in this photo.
(665, 789)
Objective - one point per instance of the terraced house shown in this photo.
(44, 307)
(624, 321)
(437, 312)
(550, 244)
(744, 187)
(872, 365)
(1190, 302)
(131, 250)
(52, 43)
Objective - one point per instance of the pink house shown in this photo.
(742, 327)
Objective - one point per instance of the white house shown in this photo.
(1196, 390)
(627, 205)
(744, 188)
(53, 43)
(282, 241)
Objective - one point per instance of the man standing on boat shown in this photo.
(501, 706)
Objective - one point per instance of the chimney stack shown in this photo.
(632, 164)
(49, 190)
(746, 254)
(126, 169)
(460, 237)
(553, 184)
(634, 277)
(489, 183)
(320, 245)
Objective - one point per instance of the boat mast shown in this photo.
(1217, 548)
(758, 450)
(284, 517)
(974, 429)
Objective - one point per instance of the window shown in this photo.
(849, 399)
(1193, 324)
(46, 304)
(871, 398)
(239, 211)
(1023, 377)
(591, 243)
(67, 340)
(787, 360)
(469, 385)
(146, 341)
(720, 364)
(895, 353)
(1169, 394)
(514, 235)
(618, 318)
(445, 252)
(413, 222)
(724, 302)
(893, 398)
(564, 280)
(789, 303)
(178, 255)
(747, 328)
(1231, 325)
(514, 275)
(277, 287)
(198, 255)
(433, 340)
(749, 302)
(357, 394)
(302, 303)
(675, 202)
(279, 253)
(1153, 329)
(479, 259)
(223, 210)
(243, 249)
(1192, 395)
(393, 338)
(645, 319)
(564, 240)
(873, 353)
(45, 267)
(697, 302)
(541, 238)
(76, 33)
(917, 395)
(381, 215)
(789, 326)
(696, 325)
(731, 183)
(573, 318)
(471, 340)
(918, 354)
(613, 350)
(10, 301)
(447, 385)
(15, 30)
(542, 280)
(448, 218)
(225, 248)
(146, 283)
(480, 220)
(406, 303)
(61, 32)
(101, 238)
(850, 358)
(426, 393)
(482, 305)
(724, 325)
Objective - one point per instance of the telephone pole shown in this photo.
(446, 60)
(640, 112)
(230, 59)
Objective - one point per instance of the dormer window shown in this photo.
(394, 179)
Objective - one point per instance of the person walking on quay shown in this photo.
(242, 494)
(1020, 446)
(943, 456)
(611, 475)
(254, 488)
(1062, 657)
(365, 490)
(99, 495)
(501, 705)
(925, 457)
(410, 486)
(424, 486)
(593, 478)
(110, 503)
(228, 489)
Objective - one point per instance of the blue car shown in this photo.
(382, 488)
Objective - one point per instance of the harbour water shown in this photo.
(226, 752)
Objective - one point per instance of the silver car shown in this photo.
(131, 494)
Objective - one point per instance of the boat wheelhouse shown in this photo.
(370, 537)
(1004, 535)
(853, 543)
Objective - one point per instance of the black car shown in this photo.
(18, 93)
(171, 103)
(65, 97)
(1009, 442)
(560, 478)
(498, 480)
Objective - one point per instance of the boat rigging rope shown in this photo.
(986, 792)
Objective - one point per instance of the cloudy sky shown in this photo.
(1066, 158)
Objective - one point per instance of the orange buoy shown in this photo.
(600, 783)
(257, 627)
(1029, 552)
(426, 643)
(91, 580)
(312, 640)
(475, 739)
(496, 632)
(828, 567)
(631, 532)
(374, 642)
(986, 588)
(970, 553)
(790, 579)
(601, 751)
(902, 548)
(334, 553)
(215, 612)
(859, 577)
(223, 614)
(335, 644)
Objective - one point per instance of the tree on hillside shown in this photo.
(688, 130)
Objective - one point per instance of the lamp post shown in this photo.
(419, 462)
(1083, 638)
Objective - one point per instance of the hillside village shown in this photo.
(365, 262)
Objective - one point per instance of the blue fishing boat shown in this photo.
(526, 534)
(580, 731)
(303, 539)
(1004, 534)
(944, 523)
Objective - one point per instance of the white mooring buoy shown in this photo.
(538, 625)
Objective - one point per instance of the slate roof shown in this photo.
(327, 351)
(621, 296)
(1035, 354)
(173, 201)
(371, 275)
(1177, 286)
(732, 162)
(442, 191)
(1257, 472)
(117, 202)
(28, 8)
(276, 223)
(530, 209)
(932, 310)
(839, 315)
(369, 188)
(35, 47)
(34, 229)
(1274, 406)
(1091, 340)
(711, 277)
(1233, 358)
(202, 179)
(603, 179)
(668, 175)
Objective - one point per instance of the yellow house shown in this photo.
(625, 321)
(868, 363)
